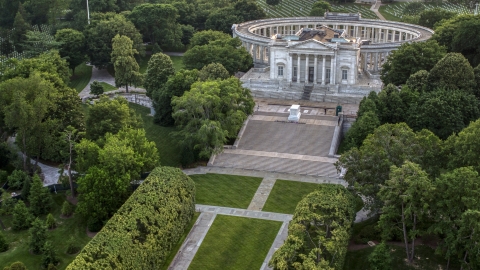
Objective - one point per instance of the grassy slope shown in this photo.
(108, 87)
(235, 243)
(67, 228)
(177, 62)
(82, 76)
(225, 190)
(285, 196)
(166, 144)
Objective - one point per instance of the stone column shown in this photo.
(254, 48)
(385, 35)
(375, 67)
(331, 69)
(334, 72)
(323, 69)
(365, 61)
(298, 67)
(315, 69)
(290, 68)
(306, 69)
(393, 35)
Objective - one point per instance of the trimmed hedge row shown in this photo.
(143, 231)
(319, 231)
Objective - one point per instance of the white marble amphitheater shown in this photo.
(310, 57)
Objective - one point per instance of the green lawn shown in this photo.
(167, 146)
(143, 62)
(18, 250)
(225, 190)
(177, 62)
(285, 196)
(235, 243)
(388, 16)
(108, 87)
(82, 76)
(177, 246)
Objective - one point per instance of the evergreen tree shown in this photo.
(3, 243)
(21, 217)
(49, 256)
(51, 222)
(38, 236)
(96, 88)
(19, 32)
(67, 209)
(380, 258)
(40, 198)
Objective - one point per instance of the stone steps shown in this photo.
(273, 164)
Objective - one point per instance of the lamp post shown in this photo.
(88, 13)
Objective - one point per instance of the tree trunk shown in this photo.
(70, 172)
(412, 255)
(126, 88)
(405, 235)
(448, 262)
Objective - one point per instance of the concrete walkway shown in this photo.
(236, 212)
(277, 243)
(375, 8)
(262, 194)
(192, 242)
(263, 174)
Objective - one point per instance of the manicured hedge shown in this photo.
(141, 234)
(319, 231)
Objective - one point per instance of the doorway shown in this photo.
(311, 71)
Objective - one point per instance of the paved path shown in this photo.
(236, 212)
(375, 8)
(263, 174)
(192, 242)
(279, 155)
(277, 243)
(262, 194)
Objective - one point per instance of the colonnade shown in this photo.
(373, 61)
(372, 33)
(259, 52)
(294, 72)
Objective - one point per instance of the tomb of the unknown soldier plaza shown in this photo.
(340, 54)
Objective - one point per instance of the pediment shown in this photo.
(313, 45)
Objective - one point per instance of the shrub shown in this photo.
(16, 266)
(96, 88)
(27, 185)
(67, 209)
(49, 255)
(38, 236)
(3, 243)
(380, 258)
(8, 203)
(72, 246)
(51, 222)
(39, 198)
(21, 217)
(143, 231)
(16, 179)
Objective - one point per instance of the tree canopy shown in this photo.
(160, 67)
(126, 67)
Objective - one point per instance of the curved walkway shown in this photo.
(375, 8)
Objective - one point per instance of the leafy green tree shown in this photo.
(72, 48)
(49, 256)
(126, 67)
(8, 203)
(368, 167)
(462, 149)
(476, 72)
(444, 112)
(67, 209)
(248, 10)
(204, 37)
(110, 115)
(417, 81)
(17, 178)
(160, 67)
(27, 185)
(430, 17)
(380, 258)
(8, 11)
(72, 136)
(96, 88)
(50, 221)
(157, 23)
(319, 231)
(72, 245)
(99, 35)
(176, 85)
(410, 58)
(211, 112)
(16, 266)
(38, 236)
(360, 129)
(222, 20)
(393, 110)
(3, 243)
(39, 198)
(452, 72)
(457, 192)
(468, 238)
(20, 28)
(37, 43)
(413, 8)
(229, 53)
(37, 11)
(213, 71)
(319, 8)
(406, 196)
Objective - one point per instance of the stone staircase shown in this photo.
(307, 91)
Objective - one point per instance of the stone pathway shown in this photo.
(277, 243)
(192, 242)
(375, 8)
(279, 155)
(262, 194)
(236, 212)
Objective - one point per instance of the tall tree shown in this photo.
(37, 43)
(464, 149)
(204, 37)
(72, 136)
(213, 71)
(123, 59)
(469, 237)
(22, 218)
(410, 58)
(176, 85)
(406, 197)
(102, 30)
(429, 18)
(452, 72)
(72, 48)
(39, 198)
(19, 32)
(38, 236)
(160, 67)
(319, 8)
